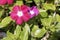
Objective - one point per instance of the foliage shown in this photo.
(36, 28)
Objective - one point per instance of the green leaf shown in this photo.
(38, 32)
(25, 32)
(57, 26)
(1, 8)
(19, 3)
(49, 6)
(46, 21)
(37, 2)
(43, 13)
(28, 1)
(17, 31)
(57, 29)
(10, 36)
(1, 13)
(5, 22)
(19, 0)
(33, 38)
(35, 27)
(57, 18)
(52, 28)
(41, 33)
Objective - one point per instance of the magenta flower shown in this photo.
(3, 2)
(20, 14)
(33, 11)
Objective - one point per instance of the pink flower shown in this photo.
(20, 14)
(33, 11)
(3, 2)
(10, 1)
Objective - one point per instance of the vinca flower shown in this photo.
(20, 14)
(33, 11)
(3, 2)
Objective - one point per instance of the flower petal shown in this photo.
(13, 15)
(24, 8)
(19, 21)
(35, 10)
(16, 8)
(26, 17)
(3, 2)
(10, 1)
(32, 13)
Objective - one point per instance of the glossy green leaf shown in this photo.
(57, 18)
(25, 32)
(1, 13)
(19, 3)
(17, 31)
(49, 6)
(43, 13)
(19, 0)
(58, 26)
(37, 2)
(35, 27)
(28, 1)
(33, 38)
(47, 21)
(5, 22)
(57, 29)
(10, 36)
(52, 28)
(39, 32)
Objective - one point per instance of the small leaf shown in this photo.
(19, 0)
(24, 33)
(1, 8)
(52, 28)
(37, 2)
(39, 33)
(1, 13)
(57, 18)
(49, 6)
(10, 36)
(17, 31)
(43, 13)
(46, 21)
(5, 22)
(19, 3)
(57, 26)
(35, 27)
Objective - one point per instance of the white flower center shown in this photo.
(20, 13)
(31, 12)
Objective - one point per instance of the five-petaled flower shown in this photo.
(33, 11)
(20, 14)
